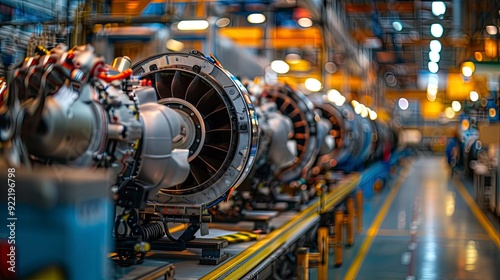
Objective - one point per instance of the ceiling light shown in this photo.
(491, 30)
(358, 108)
(256, 18)
(437, 30)
(223, 22)
(313, 84)
(433, 67)
(431, 98)
(435, 46)
(174, 45)
(456, 106)
(373, 115)
(340, 101)
(398, 26)
(333, 95)
(474, 96)
(198, 24)
(364, 111)
(466, 71)
(438, 8)
(354, 103)
(434, 56)
(449, 113)
(280, 67)
(305, 22)
(432, 89)
(403, 103)
(433, 79)
(468, 68)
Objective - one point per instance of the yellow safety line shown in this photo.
(478, 213)
(245, 261)
(177, 228)
(373, 230)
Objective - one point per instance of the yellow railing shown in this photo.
(245, 261)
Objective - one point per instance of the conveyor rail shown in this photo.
(248, 261)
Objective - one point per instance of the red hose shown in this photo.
(123, 75)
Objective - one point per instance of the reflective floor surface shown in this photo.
(423, 226)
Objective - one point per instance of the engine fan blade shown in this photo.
(180, 84)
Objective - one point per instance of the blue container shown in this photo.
(63, 222)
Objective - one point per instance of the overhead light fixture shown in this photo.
(434, 80)
(280, 67)
(466, 71)
(432, 89)
(474, 96)
(305, 22)
(491, 29)
(256, 18)
(333, 95)
(340, 101)
(364, 111)
(449, 113)
(192, 25)
(403, 104)
(435, 46)
(358, 108)
(433, 67)
(174, 45)
(437, 30)
(468, 68)
(373, 115)
(438, 8)
(431, 98)
(354, 103)
(398, 26)
(434, 56)
(223, 22)
(313, 84)
(456, 106)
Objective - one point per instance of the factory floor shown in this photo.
(423, 225)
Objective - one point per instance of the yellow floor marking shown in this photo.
(478, 213)
(373, 230)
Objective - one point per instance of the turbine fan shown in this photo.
(221, 125)
(300, 110)
(343, 130)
